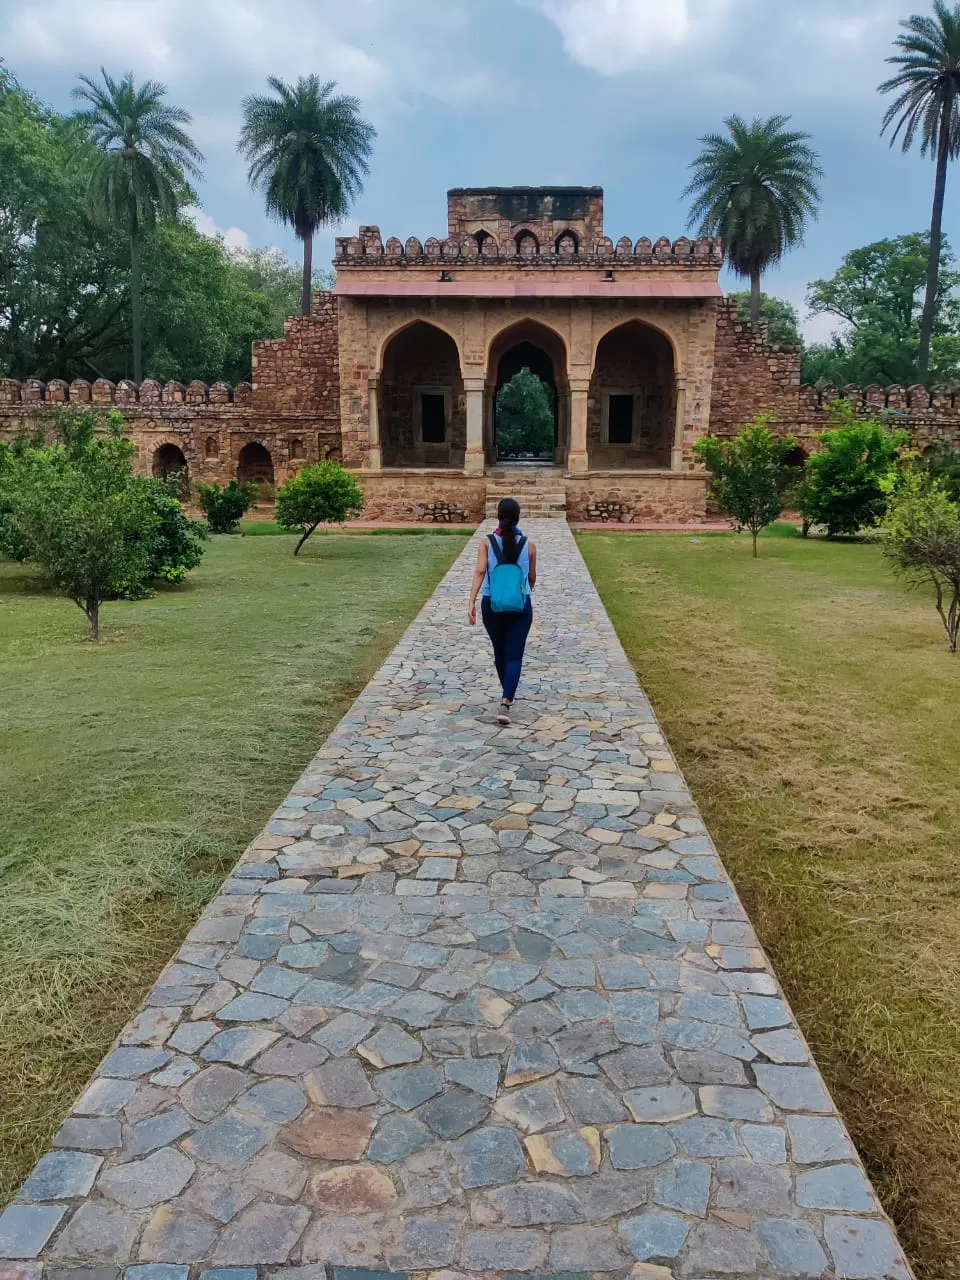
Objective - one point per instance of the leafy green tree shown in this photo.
(877, 295)
(63, 281)
(271, 273)
(749, 475)
(525, 416)
(308, 151)
(923, 542)
(845, 480)
(927, 85)
(755, 188)
(324, 493)
(146, 159)
(86, 520)
(200, 313)
(780, 316)
(224, 506)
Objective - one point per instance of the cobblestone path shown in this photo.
(476, 1001)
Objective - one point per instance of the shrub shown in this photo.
(95, 529)
(845, 481)
(923, 542)
(224, 507)
(176, 545)
(320, 494)
(750, 477)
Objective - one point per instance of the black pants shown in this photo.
(508, 634)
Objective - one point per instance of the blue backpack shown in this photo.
(508, 582)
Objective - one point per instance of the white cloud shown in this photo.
(612, 36)
(233, 237)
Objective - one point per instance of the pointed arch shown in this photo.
(532, 344)
(422, 406)
(409, 324)
(631, 417)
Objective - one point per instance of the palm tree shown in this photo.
(146, 157)
(927, 85)
(755, 189)
(308, 151)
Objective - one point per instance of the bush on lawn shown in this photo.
(225, 506)
(749, 475)
(95, 529)
(844, 485)
(324, 493)
(923, 542)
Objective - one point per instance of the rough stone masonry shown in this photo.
(477, 1002)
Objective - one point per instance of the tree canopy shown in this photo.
(927, 107)
(65, 280)
(780, 317)
(143, 162)
(308, 151)
(525, 416)
(877, 296)
(756, 187)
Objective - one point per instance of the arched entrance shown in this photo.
(423, 421)
(527, 345)
(169, 460)
(255, 464)
(632, 403)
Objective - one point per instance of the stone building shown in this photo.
(397, 370)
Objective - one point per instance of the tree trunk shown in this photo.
(307, 298)
(92, 610)
(135, 307)
(755, 301)
(296, 550)
(933, 264)
(754, 533)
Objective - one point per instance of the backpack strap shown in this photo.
(498, 553)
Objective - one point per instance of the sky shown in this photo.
(615, 93)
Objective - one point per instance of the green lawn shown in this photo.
(134, 773)
(815, 709)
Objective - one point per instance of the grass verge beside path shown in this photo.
(134, 773)
(814, 708)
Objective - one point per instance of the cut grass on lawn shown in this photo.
(814, 707)
(134, 773)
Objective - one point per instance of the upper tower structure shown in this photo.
(548, 240)
(512, 214)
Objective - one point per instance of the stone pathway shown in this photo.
(476, 1001)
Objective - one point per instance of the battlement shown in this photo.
(526, 250)
(875, 398)
(123, 393)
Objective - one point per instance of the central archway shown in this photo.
(527, 344)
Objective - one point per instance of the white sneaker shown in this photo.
(503, 713)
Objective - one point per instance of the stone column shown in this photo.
(577, 461)
(375, 452)
(676, 453)
(474, 462)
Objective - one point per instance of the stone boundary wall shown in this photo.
(753, 376)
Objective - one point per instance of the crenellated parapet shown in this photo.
(124, 394)
(524, 249)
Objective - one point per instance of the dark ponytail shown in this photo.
(508, 513)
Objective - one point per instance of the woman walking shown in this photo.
(505, 575)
